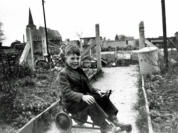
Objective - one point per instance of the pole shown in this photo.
(164, 34)
(46, 34)
(142, 35)
(98, 47)
(31, 46)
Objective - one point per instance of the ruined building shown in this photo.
(38, 39)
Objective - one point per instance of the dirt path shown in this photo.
(123, 82)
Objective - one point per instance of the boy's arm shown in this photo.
(67, 90)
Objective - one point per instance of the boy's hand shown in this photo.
(88, 99)
(101, 93)
(104, 93)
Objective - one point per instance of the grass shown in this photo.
(162, 93)
(31, 95)
(163, 101)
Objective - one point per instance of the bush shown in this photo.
(23, 71)
(8, 89)
(25, 82)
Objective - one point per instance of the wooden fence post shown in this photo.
(98, 47)
(142, 35)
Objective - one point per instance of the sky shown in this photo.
(77, 18)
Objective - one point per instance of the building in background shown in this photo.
(121, 42)
(37, 36)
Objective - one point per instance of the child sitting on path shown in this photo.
(79, 96)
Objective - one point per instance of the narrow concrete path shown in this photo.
(123, 82)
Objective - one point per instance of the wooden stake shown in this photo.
(142, 35)
(98, 45)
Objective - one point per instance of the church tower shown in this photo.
(30, 21)
(30, 25)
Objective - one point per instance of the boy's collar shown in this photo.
(70, 68)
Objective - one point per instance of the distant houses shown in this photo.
(111, 45)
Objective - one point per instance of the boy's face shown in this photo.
(73, 61)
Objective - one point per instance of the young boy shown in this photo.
(79, 97)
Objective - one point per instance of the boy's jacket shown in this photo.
(74, 84)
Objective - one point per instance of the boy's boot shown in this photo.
(107, 128)
(123, 127)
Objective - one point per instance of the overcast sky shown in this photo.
(72, 17)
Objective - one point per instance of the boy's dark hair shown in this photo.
(72, 49)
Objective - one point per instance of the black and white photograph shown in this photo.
(88, 66)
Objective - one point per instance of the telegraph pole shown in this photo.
(164, 34)
(46, 34)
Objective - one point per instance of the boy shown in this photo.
(79, 97)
